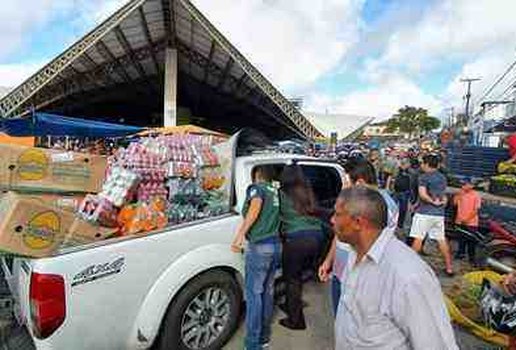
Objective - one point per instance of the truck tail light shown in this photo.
(47, 303)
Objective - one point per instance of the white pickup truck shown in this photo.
(179, 288)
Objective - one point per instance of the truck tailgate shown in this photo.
(17, 275)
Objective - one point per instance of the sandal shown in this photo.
(449, 274)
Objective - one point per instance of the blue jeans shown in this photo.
(335, 294)
(261, 262)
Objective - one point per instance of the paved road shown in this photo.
(319, 334)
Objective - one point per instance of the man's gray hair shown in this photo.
(366, 202)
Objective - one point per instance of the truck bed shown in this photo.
(133, 277)
(115, 240)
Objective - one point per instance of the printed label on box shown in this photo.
(42, 230)
(67, 202)
(32, 165)
(62, 157)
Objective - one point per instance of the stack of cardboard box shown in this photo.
(42, 189)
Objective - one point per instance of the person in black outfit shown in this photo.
(302, 234)
(414, 172)
(403, 190)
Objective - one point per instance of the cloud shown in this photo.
(17, 20)
(12, 75)
(488, 67)
(292, 42)
(381, 100)
(18, 26)
(478, 36)
(92, 12)
(452, 29)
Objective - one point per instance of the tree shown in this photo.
(412, 120)
(429, 123)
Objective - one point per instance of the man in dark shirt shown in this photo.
(429, 217)
(403, 189)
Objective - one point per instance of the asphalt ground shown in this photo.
(319, 332)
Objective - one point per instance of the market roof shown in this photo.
(117, 70)
(343, 124)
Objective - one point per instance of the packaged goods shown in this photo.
(180, 172)
(67, 199)
(45, 170)
(142, 217)
(182, 169)
(180, 213)
(30, 228)
(99, 210)
(118, 186)
(182, 188)
(212, 179)
(83, 232)
(215, 204)
(151, 190)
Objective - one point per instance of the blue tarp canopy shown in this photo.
(45, 124)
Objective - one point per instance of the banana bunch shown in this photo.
(506, 168)
(506, 179)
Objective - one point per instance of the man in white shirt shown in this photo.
(391, 298)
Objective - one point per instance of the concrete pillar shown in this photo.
(170, 107)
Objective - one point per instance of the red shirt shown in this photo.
(511, 141)
(468, 204)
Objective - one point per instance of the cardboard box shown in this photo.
(30, 228)
(67, 202)
(44, 170)
(83, 232)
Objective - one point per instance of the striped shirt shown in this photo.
(391, 300)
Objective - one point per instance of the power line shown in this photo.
(500, 78)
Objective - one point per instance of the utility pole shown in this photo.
(468, 95)
(452, 116)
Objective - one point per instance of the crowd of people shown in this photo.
(384, 295)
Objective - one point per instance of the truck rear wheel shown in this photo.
(204, 315)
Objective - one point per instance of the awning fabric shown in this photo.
(45, 124)
(23, 141)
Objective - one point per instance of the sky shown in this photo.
(358, 57)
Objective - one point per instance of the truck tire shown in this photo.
(204, 315)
